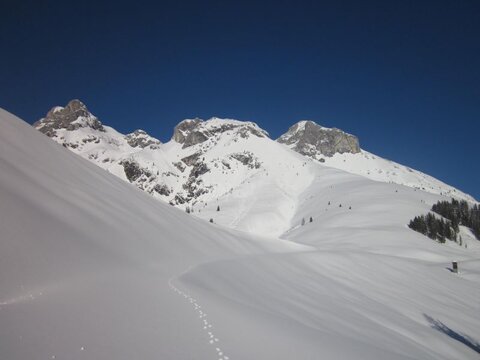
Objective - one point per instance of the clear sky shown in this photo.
(404, 76)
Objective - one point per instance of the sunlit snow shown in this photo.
(93, 268)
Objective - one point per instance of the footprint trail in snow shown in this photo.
(206, 325)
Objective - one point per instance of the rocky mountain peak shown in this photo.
(139, 138)
(190, 132)
(308, 138)
(71, 117)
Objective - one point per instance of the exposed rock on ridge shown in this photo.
(191, 132)
(309, 138)
(76, 116)
(140, 138)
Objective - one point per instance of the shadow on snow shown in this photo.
(464, 339)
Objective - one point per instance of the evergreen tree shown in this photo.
(441, 230)
(419, 224)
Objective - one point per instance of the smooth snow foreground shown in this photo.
(92, 268)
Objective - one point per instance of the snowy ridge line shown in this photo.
(207, 326)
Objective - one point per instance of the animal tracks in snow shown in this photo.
(206, 325)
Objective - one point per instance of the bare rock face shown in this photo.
(183, 129)
(140, 138)
(143, 178)
(191, 159)
(194, 138)
(71, 117)
(311, 139)
(247, 158)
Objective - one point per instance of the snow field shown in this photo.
(86, 261)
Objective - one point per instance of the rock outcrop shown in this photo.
(310, 139)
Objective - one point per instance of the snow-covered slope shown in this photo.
(92, 268)
(86, 259)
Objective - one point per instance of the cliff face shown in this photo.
(311, 139)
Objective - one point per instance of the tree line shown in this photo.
(461, 213)
(446, 227)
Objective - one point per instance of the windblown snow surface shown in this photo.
(93, 268)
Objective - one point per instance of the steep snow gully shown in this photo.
(93, 268)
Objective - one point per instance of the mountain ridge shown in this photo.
(209, 161)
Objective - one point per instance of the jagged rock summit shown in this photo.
(191, 132)
(74, 126)
(140, 138)
(71, 117)
(310, 139)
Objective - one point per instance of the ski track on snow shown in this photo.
(206, 325)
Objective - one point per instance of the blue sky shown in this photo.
(403, 76)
